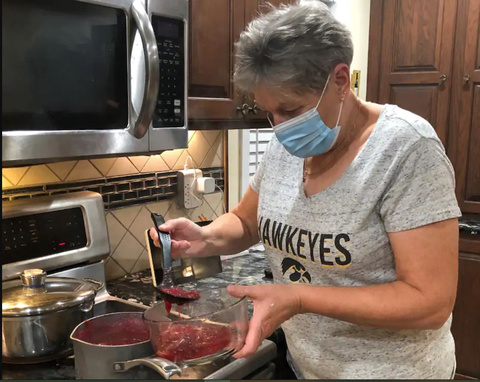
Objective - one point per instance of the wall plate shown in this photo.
(186, 188)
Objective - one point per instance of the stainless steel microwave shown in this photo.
(92, 78)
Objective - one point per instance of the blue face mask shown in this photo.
(307, 135)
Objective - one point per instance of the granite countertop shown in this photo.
(246, 268)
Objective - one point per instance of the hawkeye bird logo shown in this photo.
(298, 271)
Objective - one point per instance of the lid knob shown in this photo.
(33, 278)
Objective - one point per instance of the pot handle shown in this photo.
(95, 283)
(162, 366)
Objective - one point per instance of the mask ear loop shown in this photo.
(323, 92)
(341, 103)
(339, 112)
(268, 117)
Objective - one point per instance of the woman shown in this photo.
(355, 204)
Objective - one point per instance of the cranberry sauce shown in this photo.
(126, 331)
(182, 342)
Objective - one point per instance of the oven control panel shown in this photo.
(170, 109)
(34, 236)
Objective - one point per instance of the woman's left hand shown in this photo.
(272, 305)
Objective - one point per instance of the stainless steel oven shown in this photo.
(90, 78)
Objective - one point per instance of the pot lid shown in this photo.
(37, 294)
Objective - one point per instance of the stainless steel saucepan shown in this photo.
(39, 313)
(111, 346)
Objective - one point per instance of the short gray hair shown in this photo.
(293, 47)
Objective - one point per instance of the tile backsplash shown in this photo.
(127, 225)
(204, 147)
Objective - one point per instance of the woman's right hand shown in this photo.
(188, 239)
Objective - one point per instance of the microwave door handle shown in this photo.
(152, 74)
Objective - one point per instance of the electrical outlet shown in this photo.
(186, 188)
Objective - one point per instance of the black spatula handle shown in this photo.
(164, 238)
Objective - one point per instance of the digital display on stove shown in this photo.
(33, 236)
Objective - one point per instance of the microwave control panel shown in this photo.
(170, 109)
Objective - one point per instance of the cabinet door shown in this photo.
(253, 8)
(466, 316)
(414, 57)
(214, 27)
(464, 138)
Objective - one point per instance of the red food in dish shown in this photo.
(182, 342)
(182, 293)
(124, 332)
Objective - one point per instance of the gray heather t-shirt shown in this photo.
(401, 179)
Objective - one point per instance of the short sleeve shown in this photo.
(422, 191)
(256, 180)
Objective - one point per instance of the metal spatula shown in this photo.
(167, 288)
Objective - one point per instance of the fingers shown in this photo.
(168, 226)
(252, 291)
(238, 290)
(178, 247)
(253, 340)
(154, 237)
(174, 224)
(255, 332)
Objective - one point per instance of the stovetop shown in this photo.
(64, 369)
(59, 369)
(136, 293)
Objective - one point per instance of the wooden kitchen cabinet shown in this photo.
(466, 316)
(214, 27)
(410, 57)
(213, 101)
(424, 55)
(464, 133)
(252, 9)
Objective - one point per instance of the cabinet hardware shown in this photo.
(244, 109)
(466, 78)
(443, 79)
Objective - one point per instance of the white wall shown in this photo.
(355, 14)
(237, 151)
